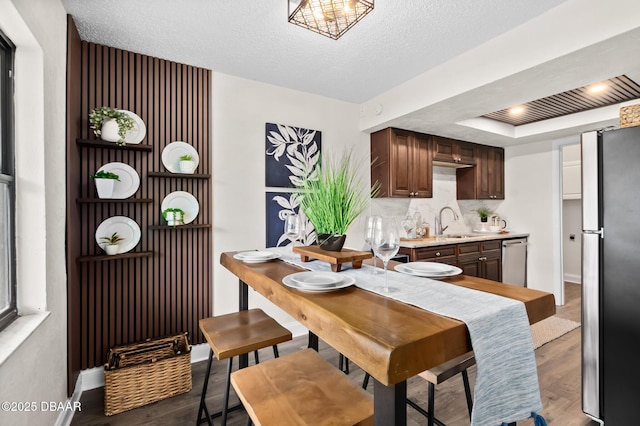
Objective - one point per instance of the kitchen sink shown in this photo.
(460, 236)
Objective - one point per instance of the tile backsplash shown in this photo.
(444, 194)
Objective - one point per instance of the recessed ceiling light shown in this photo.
(516, 110)
(597, 88)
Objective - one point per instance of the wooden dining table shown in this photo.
(390, 340)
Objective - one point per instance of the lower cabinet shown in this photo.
(477, 259)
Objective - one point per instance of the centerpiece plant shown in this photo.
(334, 197)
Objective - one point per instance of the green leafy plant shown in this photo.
(335, 196)
(101, 174)
(171, 210)
(113, 239)
(100, 114)
(483, 211)
(186, 157)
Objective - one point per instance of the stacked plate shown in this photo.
(318, 281)
(256, 256)
(433, 270)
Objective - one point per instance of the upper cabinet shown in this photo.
(401, 162)
(452, 152)
(485, 181)
(571, 176)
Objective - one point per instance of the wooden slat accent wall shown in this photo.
(127, 300)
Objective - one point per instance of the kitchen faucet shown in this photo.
(438, 220)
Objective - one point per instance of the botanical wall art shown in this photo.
(279, 205)
(291, 155)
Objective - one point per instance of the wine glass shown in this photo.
(369, 227)
(293, 227)
(386, 243)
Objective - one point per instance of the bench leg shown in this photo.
(203, 406)
(467, 391)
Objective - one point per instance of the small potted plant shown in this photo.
(111, 124)
(186, 164)
(484, 212)
(111, 247)
(105, 182)
(173, 216)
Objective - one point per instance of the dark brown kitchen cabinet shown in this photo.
(401, 162)
(485, 181)
(455, 152)
(481, 259)
(478, 259)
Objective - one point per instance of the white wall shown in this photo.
(572, 249)
(36, 369)
(240, 110)
(532, 205)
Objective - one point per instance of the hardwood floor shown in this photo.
(558, 370)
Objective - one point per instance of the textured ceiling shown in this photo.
(252, 38)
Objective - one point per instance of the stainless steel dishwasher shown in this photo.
(514, 261)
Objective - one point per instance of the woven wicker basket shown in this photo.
(146, 372)
(630, 116)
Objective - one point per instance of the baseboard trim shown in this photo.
(573, 278)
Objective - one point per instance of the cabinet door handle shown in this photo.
(482, 258)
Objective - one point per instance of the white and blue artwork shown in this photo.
(280, 205)
(292, 154)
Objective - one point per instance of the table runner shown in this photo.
(506, 387)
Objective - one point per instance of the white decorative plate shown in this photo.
(139, 131)
(184, 201)
(126, 227)
(405, 270)
(128, 182)
(171, 155)
(256, 256)
(345, 281)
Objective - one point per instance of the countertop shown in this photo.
(453, 239)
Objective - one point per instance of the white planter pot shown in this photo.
(174, 218)
(109, 131)
(187, 166)
(104, 187)
(112, 249)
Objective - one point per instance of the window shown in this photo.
(8, 310)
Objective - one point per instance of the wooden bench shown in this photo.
(301, 389)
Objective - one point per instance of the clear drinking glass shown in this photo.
(293, 227)
(369, 226)
(386, 243)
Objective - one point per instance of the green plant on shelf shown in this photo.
(186, 157)
(113, 239)
(101, 174)
(99, 115)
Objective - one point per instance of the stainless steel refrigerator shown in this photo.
(611, 276)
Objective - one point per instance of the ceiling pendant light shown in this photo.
(331, 18)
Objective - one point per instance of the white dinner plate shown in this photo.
(126, 228)
(139, 131)
(256, 256)
(171, 155)
(431, 268)
(184, 201)
(317, 279)
(402, 268)
(128, 180)
(344, 282)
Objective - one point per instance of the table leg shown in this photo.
(313, 341)
(390, 403)
(243, 305)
